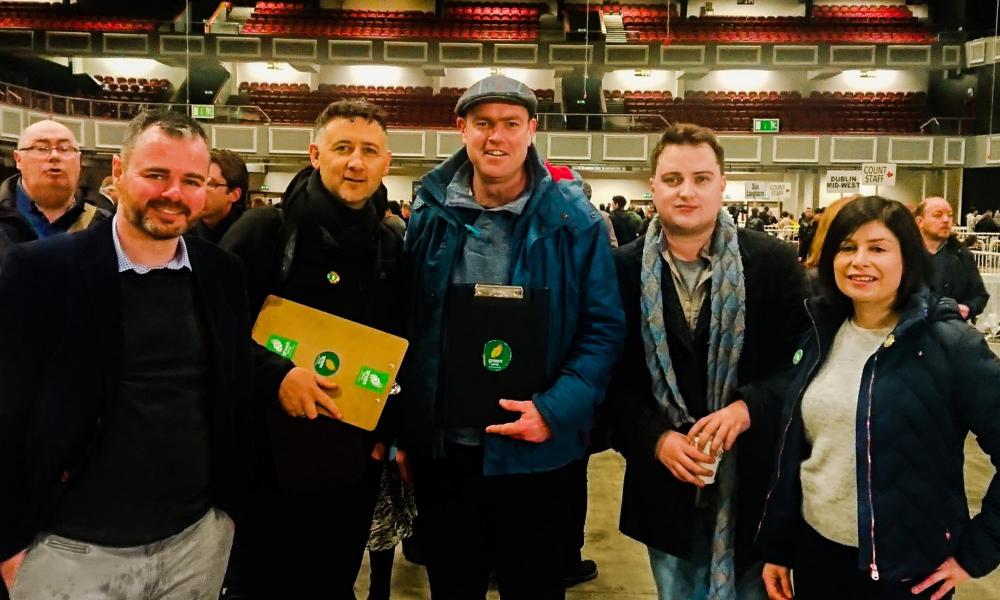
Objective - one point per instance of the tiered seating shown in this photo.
(406, 106)
(296, 103)
(831, 24)
(786, 30)
(507, 22)
(63, 17)
(870, 112)
(821, 112)
(133, 89)
(517, 13)
(837, 11)
(643, 16)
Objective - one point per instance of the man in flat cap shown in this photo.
(495, 497)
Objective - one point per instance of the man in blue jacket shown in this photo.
(491, 213)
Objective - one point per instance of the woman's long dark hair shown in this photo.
(897, 219)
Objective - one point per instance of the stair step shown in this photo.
(614, 29)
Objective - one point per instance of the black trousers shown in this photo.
(826, 570)
(513, 525)
(576, 513)
(304, 545)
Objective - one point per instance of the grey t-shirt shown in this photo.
(829, 413)
(692, 280)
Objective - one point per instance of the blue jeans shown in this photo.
(679, 579)
(682, 579)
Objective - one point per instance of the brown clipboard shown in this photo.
(362, 361)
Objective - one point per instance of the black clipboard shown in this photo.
(495, 346)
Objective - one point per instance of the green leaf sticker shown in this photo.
(496, 355)
(327, 363)
(798, 357)
(283, 347)
(371, 379)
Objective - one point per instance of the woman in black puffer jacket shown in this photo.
(868, 499)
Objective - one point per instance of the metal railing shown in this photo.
(985, 242)
(611, 122)
(987, 262)
(788, 234)
(55, 104)
(947, 125)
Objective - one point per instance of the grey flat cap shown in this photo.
(498, 88)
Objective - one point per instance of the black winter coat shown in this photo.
(657, 508)
(961, 279)
(626, 228)
(289, 252)
(15, 229)
(928, 385)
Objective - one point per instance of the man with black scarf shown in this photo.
(325, 248)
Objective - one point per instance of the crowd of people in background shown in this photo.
(792, 418)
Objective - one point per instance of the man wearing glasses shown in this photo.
(42, 200)
(225, 195)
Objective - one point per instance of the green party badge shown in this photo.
(283, 347)
(370, 379)
(496, 355)
(797, 358)
(326, 363)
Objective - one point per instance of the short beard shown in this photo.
(938, 237)
(148, 225)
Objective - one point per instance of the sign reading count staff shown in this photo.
(878, 174)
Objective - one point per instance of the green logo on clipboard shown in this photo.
(496, 355)
(370, 379)
(283, 347)
(327, 363)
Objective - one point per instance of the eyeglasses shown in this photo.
(40, 151)
(214, 185)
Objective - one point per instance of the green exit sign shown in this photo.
(202, 111)
(765, 125)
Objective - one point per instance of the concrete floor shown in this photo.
(623, 563)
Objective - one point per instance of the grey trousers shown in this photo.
(189, 565)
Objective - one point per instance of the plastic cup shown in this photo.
(712, 466)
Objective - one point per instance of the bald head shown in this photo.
(934, 218)
(49, 177)
(929, 202)
(45, 130)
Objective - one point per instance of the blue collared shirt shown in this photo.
(178, 262)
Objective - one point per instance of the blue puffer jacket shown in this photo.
(927, 386)
(558, 243)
